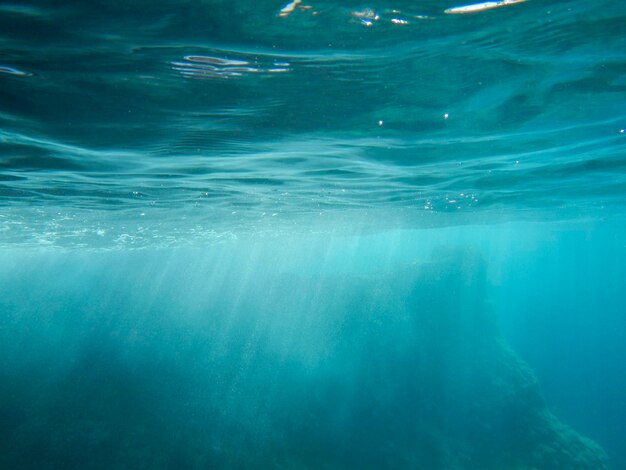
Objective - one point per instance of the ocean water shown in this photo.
(326, 235)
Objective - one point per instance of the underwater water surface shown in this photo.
(326, 235)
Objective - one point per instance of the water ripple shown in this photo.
(208, 67)
(13, 71)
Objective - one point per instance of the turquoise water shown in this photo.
(312, 235)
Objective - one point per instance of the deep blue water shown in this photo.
(219, 219)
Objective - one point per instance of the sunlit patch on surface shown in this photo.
(291, 7)
(476, 7)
